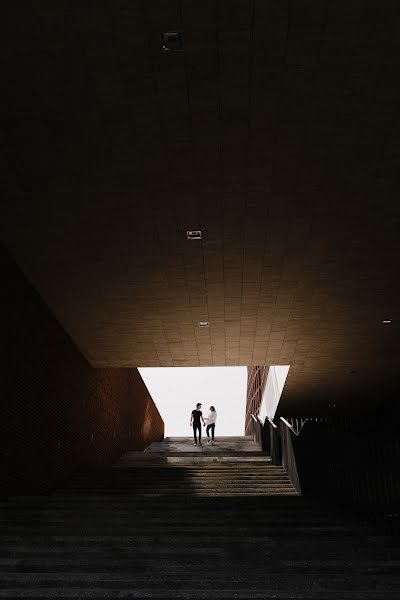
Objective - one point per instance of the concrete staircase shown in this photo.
(189, 523)
(233, 467)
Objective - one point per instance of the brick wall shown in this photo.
(57, 412)
(256, 381)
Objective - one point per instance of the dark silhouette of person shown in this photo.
(195, 418)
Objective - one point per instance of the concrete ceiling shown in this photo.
(275, 132)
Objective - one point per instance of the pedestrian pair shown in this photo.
(196, 418)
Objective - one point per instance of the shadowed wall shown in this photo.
(59, 413)
(350, 461)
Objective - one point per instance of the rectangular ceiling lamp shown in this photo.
(193, 235)
(172, 41)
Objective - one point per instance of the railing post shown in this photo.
(276, 445)
(268, 436)
(288, 457)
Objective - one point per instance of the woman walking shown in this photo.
(211, 419)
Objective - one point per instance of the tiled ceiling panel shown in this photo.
(275, 132)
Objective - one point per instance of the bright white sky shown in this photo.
(177, 390)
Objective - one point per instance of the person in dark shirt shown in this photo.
(195, 421)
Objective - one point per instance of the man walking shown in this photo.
(195, 421)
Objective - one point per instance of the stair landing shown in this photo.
(243, 446)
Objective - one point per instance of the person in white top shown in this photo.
(211, 419)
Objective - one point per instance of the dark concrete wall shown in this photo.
(57, 412)
(353, 463)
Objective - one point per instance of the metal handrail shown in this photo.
(257, 420)
(296, 425)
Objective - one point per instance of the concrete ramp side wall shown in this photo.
(149, 419)
(59, 413)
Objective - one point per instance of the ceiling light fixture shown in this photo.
(203, 323)
(386, 321)
(172, 41)
(193, 234)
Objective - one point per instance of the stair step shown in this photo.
(178, 481)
